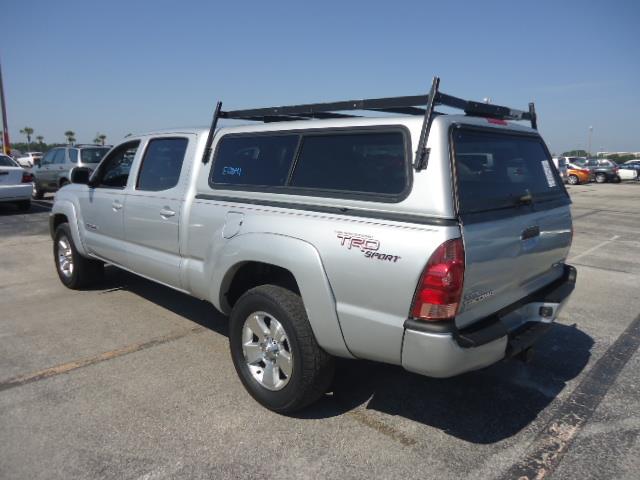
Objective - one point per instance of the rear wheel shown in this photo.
(574, 180)
(601, 178)
(74, 270)
(275, 352)
(37, 192)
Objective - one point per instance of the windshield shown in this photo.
(497, 170)
(93, 155)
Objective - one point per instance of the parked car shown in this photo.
(577, 175)
(632, 162)
(334, 237)
(561, 165)
(15, 183)
(603, 171)
(54, 169)
(29, 159)
(629, 172)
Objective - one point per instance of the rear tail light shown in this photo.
(440, 287)
(27, 177)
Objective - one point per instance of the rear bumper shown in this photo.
(15, 193)
(441, 350)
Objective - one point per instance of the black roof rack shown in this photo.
(412, 105)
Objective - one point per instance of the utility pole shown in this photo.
(590, 134)
(6, 145)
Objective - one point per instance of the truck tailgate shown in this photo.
(515, 216)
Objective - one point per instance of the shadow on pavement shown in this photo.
(198, 311)
(480, 407)
(7, 208)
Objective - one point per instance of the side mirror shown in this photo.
(80, 175)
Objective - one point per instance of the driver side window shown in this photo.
(114, 169)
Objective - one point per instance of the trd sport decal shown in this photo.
(365, 244)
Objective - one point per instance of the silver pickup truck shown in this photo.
(435, 242)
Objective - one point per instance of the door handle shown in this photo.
(166, 212)
(530, 232)
(116, 205)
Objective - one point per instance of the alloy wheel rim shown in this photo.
(267, 351)
(65, 257)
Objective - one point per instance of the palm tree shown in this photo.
(70, 134)
(100, 138)
(28, 131)
(40, 139)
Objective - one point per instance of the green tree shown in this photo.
(40, 139)
(28, 131)
(575, 153)
(70, 134)
(100, 138)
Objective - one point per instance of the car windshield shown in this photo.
(6, 162)
(93, 155)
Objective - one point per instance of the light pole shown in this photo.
(6, 144)
(590, 134)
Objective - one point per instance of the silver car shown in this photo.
(53, 170)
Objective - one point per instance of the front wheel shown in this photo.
(275, 352)
(74, 270)
(617, 179)
(601, 178)
(574, 180)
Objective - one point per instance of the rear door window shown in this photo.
(162, 164)
(497, 170)
(263, 160)
(353, 162)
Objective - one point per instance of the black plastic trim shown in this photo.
(373, 214)
(445, 326)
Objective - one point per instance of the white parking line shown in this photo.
(593, 249)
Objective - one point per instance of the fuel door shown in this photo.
(232, 224)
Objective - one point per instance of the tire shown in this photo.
(24, 205)
(574, 180)
(37, 192)
(601, 178)
(310, 369)
(616, 179)
(74, 270)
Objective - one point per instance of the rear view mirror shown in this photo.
(80, 175)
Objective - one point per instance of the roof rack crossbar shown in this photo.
(422, 105)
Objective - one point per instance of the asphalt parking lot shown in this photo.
(134, 380)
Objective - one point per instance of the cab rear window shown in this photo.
(500, 170)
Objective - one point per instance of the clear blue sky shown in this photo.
(130, 66)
